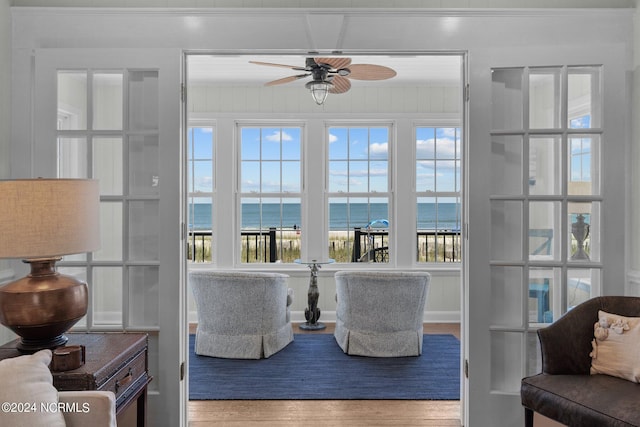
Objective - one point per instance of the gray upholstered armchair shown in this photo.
(241, 315)
(380, 313)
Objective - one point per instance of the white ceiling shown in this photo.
(236, 69)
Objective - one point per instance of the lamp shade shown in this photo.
(43, 218)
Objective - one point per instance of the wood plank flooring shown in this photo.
(330, 413)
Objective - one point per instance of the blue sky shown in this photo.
(358, 159)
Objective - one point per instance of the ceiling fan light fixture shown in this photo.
(319, 90)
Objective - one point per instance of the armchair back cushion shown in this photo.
(380, 313)
(242, 315)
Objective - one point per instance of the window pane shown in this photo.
(584, 167)
(379, 143)
(199, 245)
(358, 143)
(270, 229)
(291, 143)
(584, 97)
(582, 284)
(106, 286)
(506, 165)
(545, 165)
(338, 176)
(379, 176)
(358, 176)
(506, 296)
(250, 143)
(250, 177)
(542, 282)
(107, 165)
(359, 229)
(291, 177)
(111, 232)
(144, 173)
(107, 101)
(72, 158)
(338, 144)
(143, 296)
(544, 225)
(507, 99)
(143, 100)
(72, 100)
(144, 230)
(271, 144)
(506, 230)
(270, 179)
(584, 231)
(544, 98)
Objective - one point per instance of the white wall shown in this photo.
(634, 226)
(5, 121)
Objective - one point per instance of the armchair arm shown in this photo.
(89, 408)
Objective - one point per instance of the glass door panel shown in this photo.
(506, 303)
(544, 98)
(506, 230)
(506, 164)
(545, 165)
(507, 98)
(107, 101)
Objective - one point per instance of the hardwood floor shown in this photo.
(284, 413)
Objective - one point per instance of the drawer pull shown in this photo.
(125, 380)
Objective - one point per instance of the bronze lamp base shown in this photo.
(42, 306)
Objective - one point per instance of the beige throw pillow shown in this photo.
(616, 346)
(27, 395)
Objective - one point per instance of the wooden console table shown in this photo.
(117, 362)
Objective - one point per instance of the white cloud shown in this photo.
(332, 138)
(379, 149)
(277, 136)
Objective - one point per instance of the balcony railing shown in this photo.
(272, 245)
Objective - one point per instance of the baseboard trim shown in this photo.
(429, 316)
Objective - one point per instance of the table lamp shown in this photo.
(40, 221)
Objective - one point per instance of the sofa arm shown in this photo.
(88, 408)
(566, 344)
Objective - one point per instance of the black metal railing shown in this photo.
(367, 246)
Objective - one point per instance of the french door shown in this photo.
(546, 197)
(114, 115)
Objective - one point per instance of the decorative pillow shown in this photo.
(27, 394)
(616, 346)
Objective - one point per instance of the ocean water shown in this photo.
(341, 215)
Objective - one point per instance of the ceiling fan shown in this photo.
(331, 75)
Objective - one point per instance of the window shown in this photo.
(438, 194)
(359, 193)
(270, 193)
(200, 186)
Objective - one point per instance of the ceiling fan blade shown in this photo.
(286, 80)
(270, 64)
(336, 63)
(340, 84)
(370, 72)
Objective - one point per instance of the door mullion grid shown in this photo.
(561, 303)
(525, 219)
(126, 149)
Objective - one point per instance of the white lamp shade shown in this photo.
(44, 218)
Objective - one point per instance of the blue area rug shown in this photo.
(314, 367)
